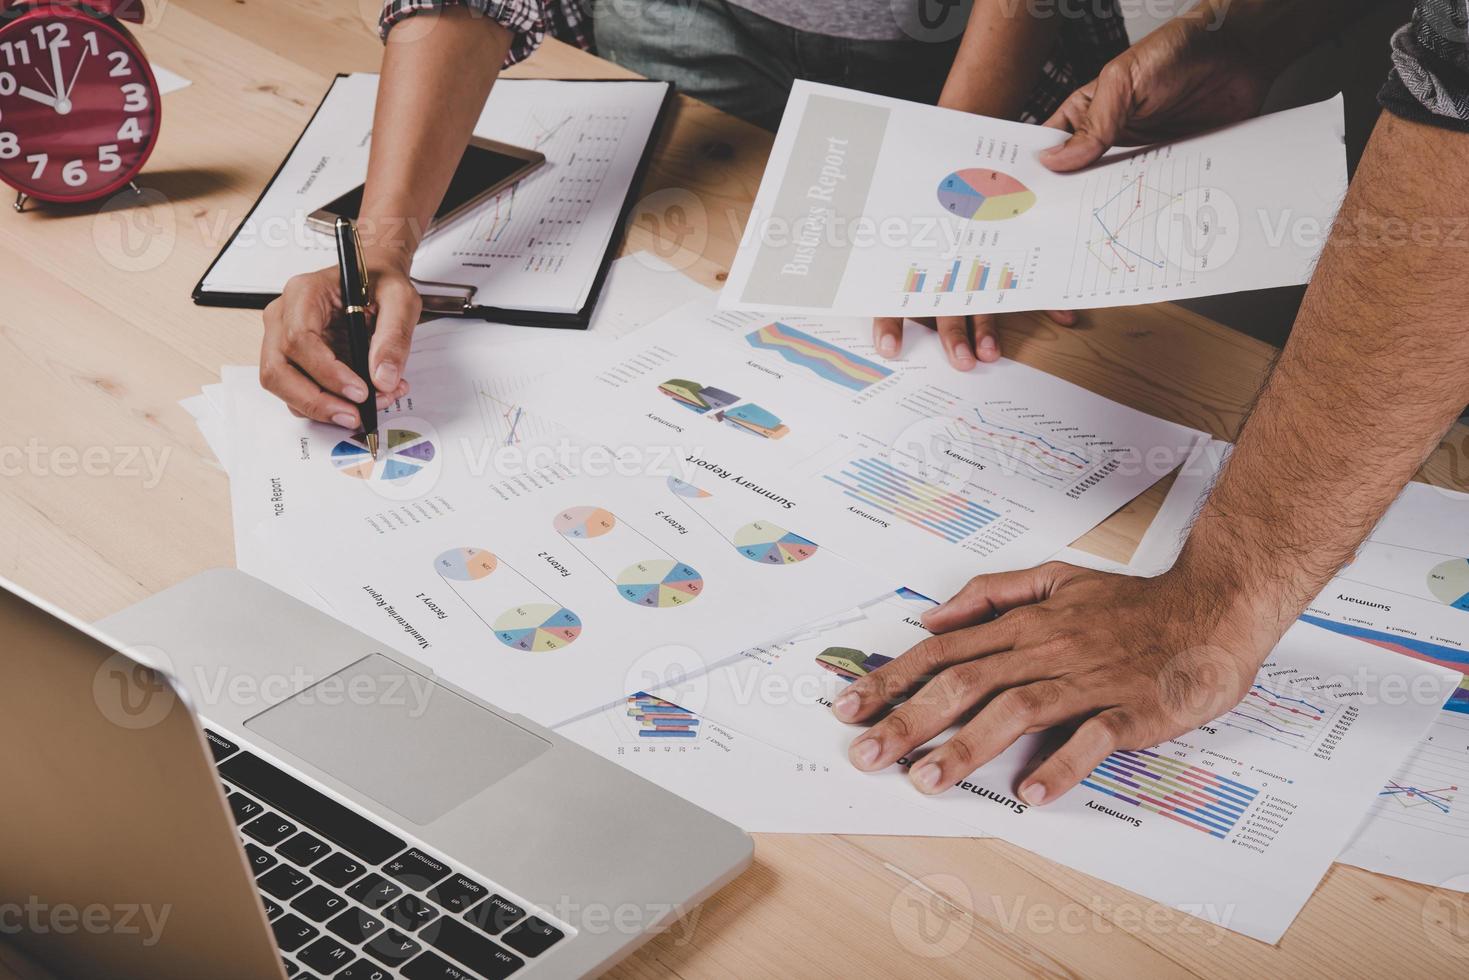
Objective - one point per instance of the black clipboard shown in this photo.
(456, 299)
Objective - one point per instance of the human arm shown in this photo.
(438, 68)
(1375, 371)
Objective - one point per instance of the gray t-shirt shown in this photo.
(868, 20)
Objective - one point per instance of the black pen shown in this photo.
(356, 296)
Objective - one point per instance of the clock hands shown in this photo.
(44, 80)
(74, 74)
(63, 104)
(27, 92)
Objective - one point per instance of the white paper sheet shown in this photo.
(534, 246)
(554, 593)
(1227, 822)
(876, 207)
(1406, 591)
(930, 474)
(753, 785)
(1163, 540)
(169, 81)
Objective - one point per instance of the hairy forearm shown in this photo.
(999, 59)
(437, 71)
(1376, 370)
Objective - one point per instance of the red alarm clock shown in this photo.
(79, 107)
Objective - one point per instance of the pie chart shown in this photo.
(465, 564)
(660, 583)
(538, 627)
(584, 522)
(978, 194)
(686, 489)
(771, 544)
(1449, 582)
(402, 453)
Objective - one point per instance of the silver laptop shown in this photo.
(224, 782)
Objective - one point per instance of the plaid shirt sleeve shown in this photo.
(528, 20)
(1092, 34)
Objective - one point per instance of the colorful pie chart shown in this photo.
(1450, 583)
(686, 489)
(465, 564)
(771, 544)
(402, 454)
(979, 194)
(539, 627)
(660, 583)
(584, 522)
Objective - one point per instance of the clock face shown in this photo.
(78, 106)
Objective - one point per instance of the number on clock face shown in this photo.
(78, 107)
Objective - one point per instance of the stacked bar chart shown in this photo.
(927, 506)
(656, 718)
(1190, 795)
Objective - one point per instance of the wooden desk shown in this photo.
(99, 342)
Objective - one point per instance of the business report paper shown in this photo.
(907, 465)
(1407, 591)
(872, 206)
(1228, 822)
(536, 245)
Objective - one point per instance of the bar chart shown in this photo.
(879, 484)
(1190, 795)
(652, 717)
(975, 275)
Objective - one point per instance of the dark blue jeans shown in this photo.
(744, 64)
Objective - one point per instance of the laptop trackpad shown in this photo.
(394, 735)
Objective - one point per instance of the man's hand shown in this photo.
(302, 355)
(967, 339)
(1127, 662)
(1184, 78)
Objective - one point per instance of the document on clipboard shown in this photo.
(536, 252)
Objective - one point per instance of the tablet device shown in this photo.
(486, 167)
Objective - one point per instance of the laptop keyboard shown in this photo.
(349, 899)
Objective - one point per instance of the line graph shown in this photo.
(506, 422)
(1135, 200)
(1148, 225)
(1024, 452)
(1440, 799)
(1278, 712)
(993, 436)
(1424, 794)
